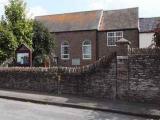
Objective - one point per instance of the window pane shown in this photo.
(65, 43)
(119, 33)
(65, 50)
(87, 43)
(110, 34)
(113, 37)
(118, 38)
(111, 41)
(87, 56)
(86, 48)
(65, 56)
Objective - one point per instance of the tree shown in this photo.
(17, 22)
(43, 43)
(15, 29)
(7, 44)
(157, 36)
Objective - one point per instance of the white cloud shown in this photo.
(36, 11)
(99, 4)
(31, 12)
(148, 8)
(2, 4)
(112, 4)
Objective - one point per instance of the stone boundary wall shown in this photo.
(41, 80)
(135, 77)
(144, 51)
(138, 76)
(95, 80)
(144, 78)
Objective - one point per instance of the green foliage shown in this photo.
(43, 43)
(7, 44)
(17, 22)
(17, 29)
(157, 36)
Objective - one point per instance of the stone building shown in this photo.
(84, 37)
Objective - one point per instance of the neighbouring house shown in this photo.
(84, 37)
(147, 27)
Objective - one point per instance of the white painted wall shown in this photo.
(145, 39)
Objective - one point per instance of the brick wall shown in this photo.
(75, 40)
(98, 41)
(131, 35)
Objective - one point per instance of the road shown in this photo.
(17, 110)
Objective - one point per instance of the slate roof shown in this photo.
(88, 20)
(120, 19)
(92, 20)
(148, 24)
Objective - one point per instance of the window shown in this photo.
(65, 50)
(112, 37)
(86, 49)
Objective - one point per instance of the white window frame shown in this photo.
(114, 36)
(83, 55)
(62, 52)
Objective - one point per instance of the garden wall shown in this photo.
(135, 77)
(32, 79)
(95, 80)
(144, 77)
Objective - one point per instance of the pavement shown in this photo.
(18, 110)
(136, 109)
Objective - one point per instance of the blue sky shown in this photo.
(147, 8)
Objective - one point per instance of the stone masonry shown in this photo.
(135, 77)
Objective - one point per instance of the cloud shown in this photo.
(147, 8)
(99, 4)
(112, 4)
(31, 11)
(2, 4)
(36, 11)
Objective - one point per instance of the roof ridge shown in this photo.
(70, 13)
(148, 17)
(121, 9)
(100, 20)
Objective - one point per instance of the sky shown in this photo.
(147, 8)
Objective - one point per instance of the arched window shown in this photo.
(65, 50)
(86, 49)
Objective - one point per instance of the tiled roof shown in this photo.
(120, 19)
(91, 20)
(88, 20)
(148, 24)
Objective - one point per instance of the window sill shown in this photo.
(65, 59)
(111, 45)
(87, 59)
